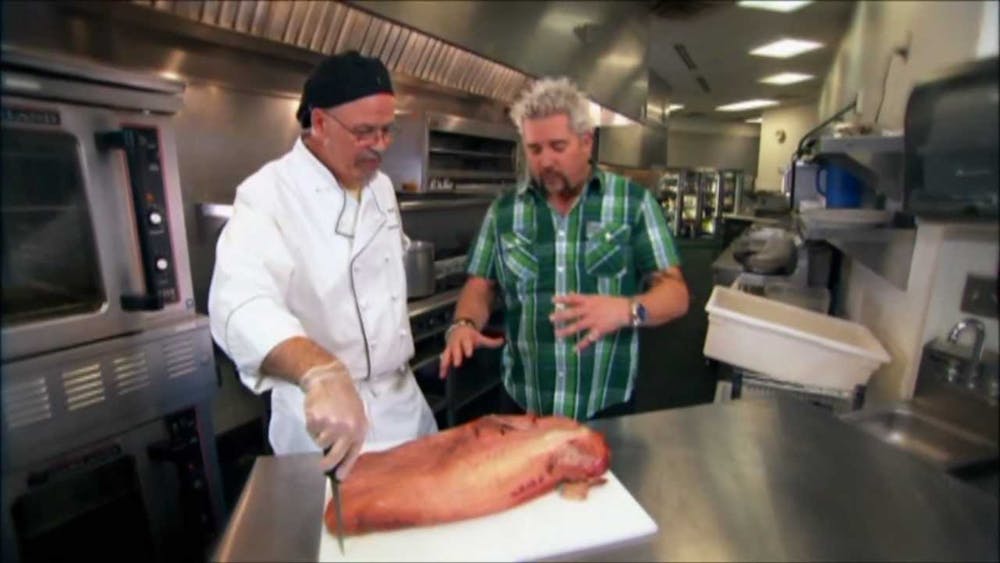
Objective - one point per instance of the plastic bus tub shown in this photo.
(788, 342)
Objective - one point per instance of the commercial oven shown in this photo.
(107, 371)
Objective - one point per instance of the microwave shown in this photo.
(93, 238)
(951, 144)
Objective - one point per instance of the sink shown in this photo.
(925, 436)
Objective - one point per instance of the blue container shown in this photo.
(840, 188)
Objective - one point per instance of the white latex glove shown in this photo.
(335, 415)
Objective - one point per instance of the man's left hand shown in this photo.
(594, 315)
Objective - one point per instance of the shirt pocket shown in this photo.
(606, 251)
(518, 256)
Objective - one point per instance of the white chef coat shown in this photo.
(292, 261)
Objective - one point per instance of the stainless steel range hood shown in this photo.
(491, 49)
(332, 27)
(602, 46)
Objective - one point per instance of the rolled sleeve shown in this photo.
(246, 303)
(654, 246)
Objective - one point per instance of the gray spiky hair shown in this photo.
(552, 96)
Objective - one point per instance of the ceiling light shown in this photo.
(774, 5)
(757, 120)
(674, 107)
(785, 48)
(747, 104)
(785, 78)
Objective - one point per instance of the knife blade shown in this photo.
(335, 489)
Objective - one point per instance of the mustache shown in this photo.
(371, 154)
(567, 188)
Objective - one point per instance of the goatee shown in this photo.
(564, 190)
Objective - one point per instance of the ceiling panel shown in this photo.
(717, 40)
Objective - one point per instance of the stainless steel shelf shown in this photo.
(444, 204)
(433, 302)
(886, 251)
(876, 159)
(462, 152)
(454, 173)
(861, 144)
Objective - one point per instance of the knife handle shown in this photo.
(332, 473)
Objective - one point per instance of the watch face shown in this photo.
(640, 312)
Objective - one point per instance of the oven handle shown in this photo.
(125, 139)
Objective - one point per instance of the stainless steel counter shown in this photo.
(746, 480)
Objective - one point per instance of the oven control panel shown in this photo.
(141, 146)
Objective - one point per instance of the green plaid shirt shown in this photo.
(613, 237)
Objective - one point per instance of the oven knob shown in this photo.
(155, 218)
(162, 264)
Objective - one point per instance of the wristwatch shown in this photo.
(638, 312)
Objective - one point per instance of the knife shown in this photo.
(335, 488)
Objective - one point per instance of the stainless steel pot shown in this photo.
(419, 262)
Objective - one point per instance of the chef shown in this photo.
(308, 296)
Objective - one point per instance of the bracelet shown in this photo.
(461, 321)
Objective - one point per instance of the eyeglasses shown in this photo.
(367, 134)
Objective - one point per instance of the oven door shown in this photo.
(70, 241)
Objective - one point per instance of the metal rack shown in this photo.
(695, 200)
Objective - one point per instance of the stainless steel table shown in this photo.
(746, 480)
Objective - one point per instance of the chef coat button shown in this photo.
(560, 269)
(561, 374)
(607, 236)
(385, 259)
(562, 233)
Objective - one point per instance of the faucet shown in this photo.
(972, 369)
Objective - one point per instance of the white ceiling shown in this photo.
(719, 38)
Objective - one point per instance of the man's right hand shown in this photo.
(335, 415)
(462, 342)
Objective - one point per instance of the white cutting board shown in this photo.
(544, 527)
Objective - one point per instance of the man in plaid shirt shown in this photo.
(569, 250)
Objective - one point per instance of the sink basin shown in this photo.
(925, 436)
